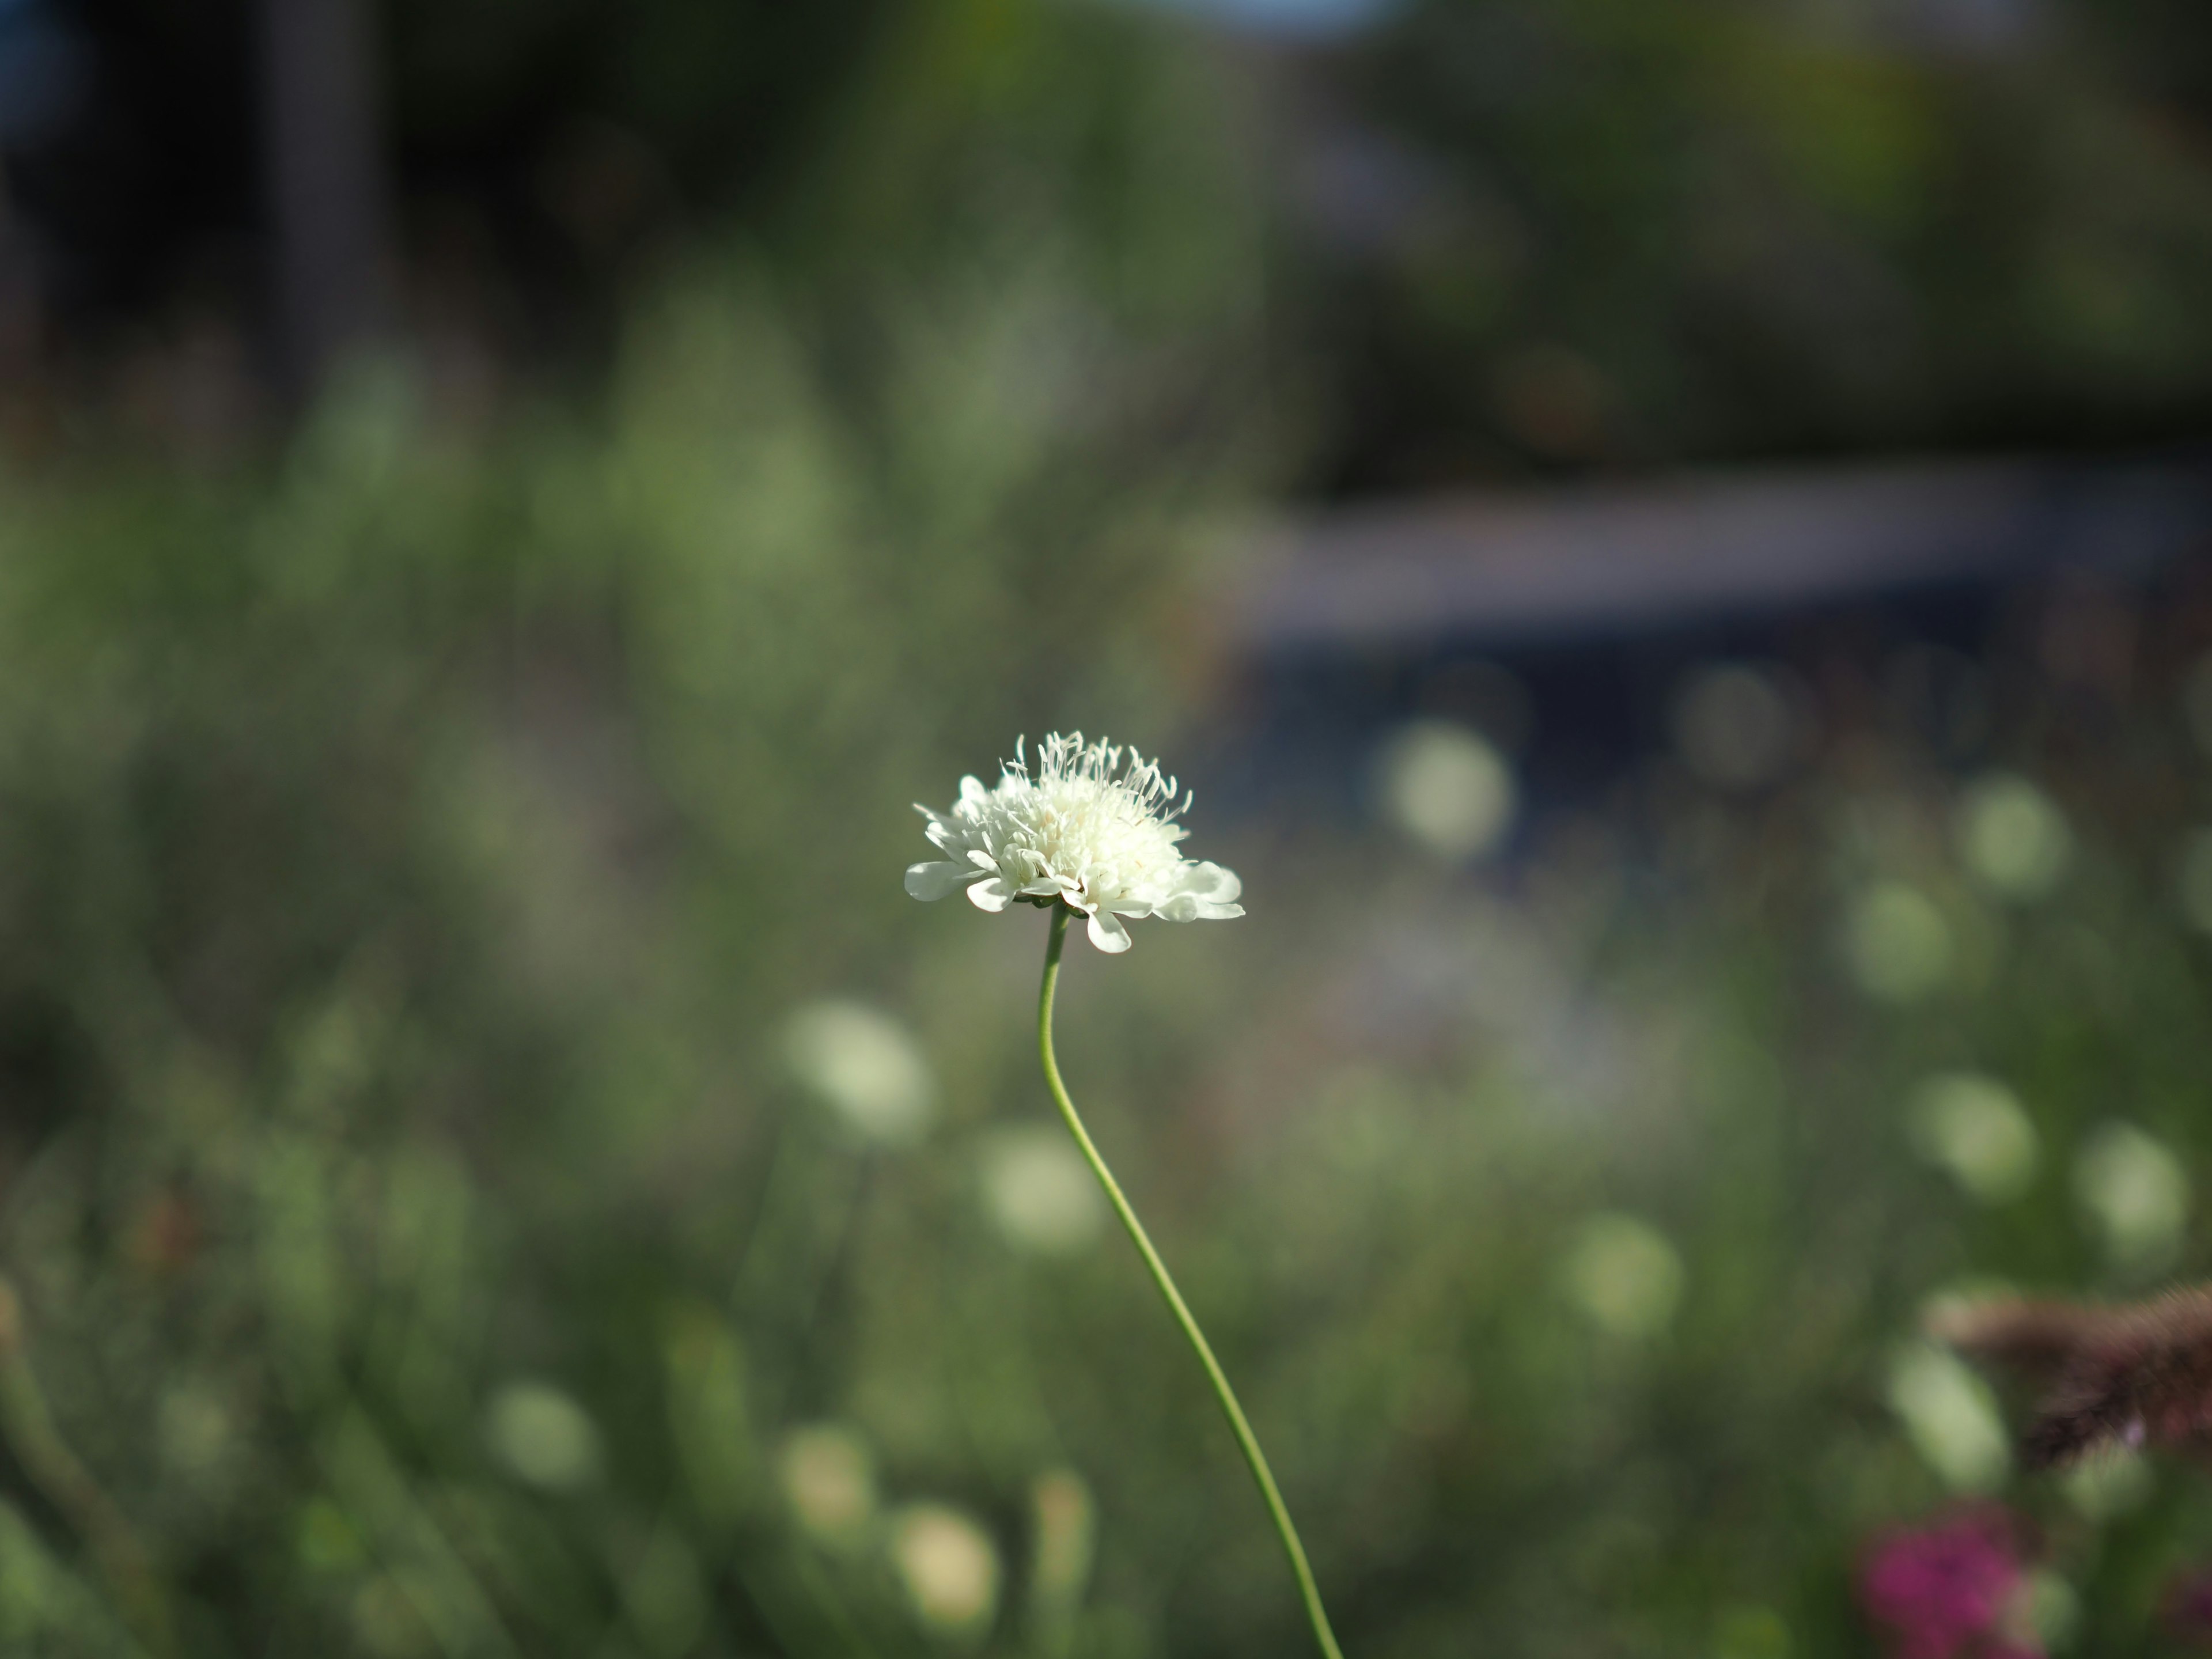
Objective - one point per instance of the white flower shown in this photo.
(1085, 831)
(865, 1065)
(831, 1480)
(1038, 1192)
(543, 1435)
(951, 1568)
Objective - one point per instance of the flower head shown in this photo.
(1093, 827)
(2189, 1608)
(1955, 1590)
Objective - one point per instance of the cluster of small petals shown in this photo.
(1092, 826)
(1951, 1591)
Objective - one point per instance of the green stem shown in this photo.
(1246, 1440)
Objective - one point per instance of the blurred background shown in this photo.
(1673, 542)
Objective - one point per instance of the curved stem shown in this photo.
(1246, 1440)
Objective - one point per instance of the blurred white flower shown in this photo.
(950, 1568)
(1950, 1417)
(2136, 1192)
(1087, 830)
(866, 1067)
(1040, 1193)
(1896, 942)
(830, 1480)
(1735, 727)
(2108, 1483)
(1066, 1521)
(1625, 1276)
(1448, 789)
(2012, 837)
(1974, 1128)
(542, 1436)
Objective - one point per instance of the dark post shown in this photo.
(329, 211)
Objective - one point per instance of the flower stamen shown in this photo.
(1090, 825)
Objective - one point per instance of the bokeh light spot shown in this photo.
(830, 1480)
(863, 1064)
(950, 1568)
(1950, 1417)
(1449, 789)
(1625, 1276)
(1896, 942)
(542, 1436)
(2108, 1484)
(1067, 1523)
(1040, 1193)
(2012, 837)
(2136, 1193)
(1735, 726)
(1975, 1129)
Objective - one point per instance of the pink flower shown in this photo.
(1950, 1591)
(2189, 1608)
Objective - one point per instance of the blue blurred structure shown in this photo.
(1563, 622)
(1618, 559)
(43, 72)
(1304, 19)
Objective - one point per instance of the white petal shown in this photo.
(1202, 892)
(1214, 884)
(1107, 933)
(930, 882)
(993, 894)
(972, 792)
(1197, 910)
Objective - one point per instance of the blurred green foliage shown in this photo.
(495, 1164)
(411, 855)
(1629, 234)
(440, 1230)
(1482, 238)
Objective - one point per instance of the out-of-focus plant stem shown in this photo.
(1247, 1441)
(67, 1485)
